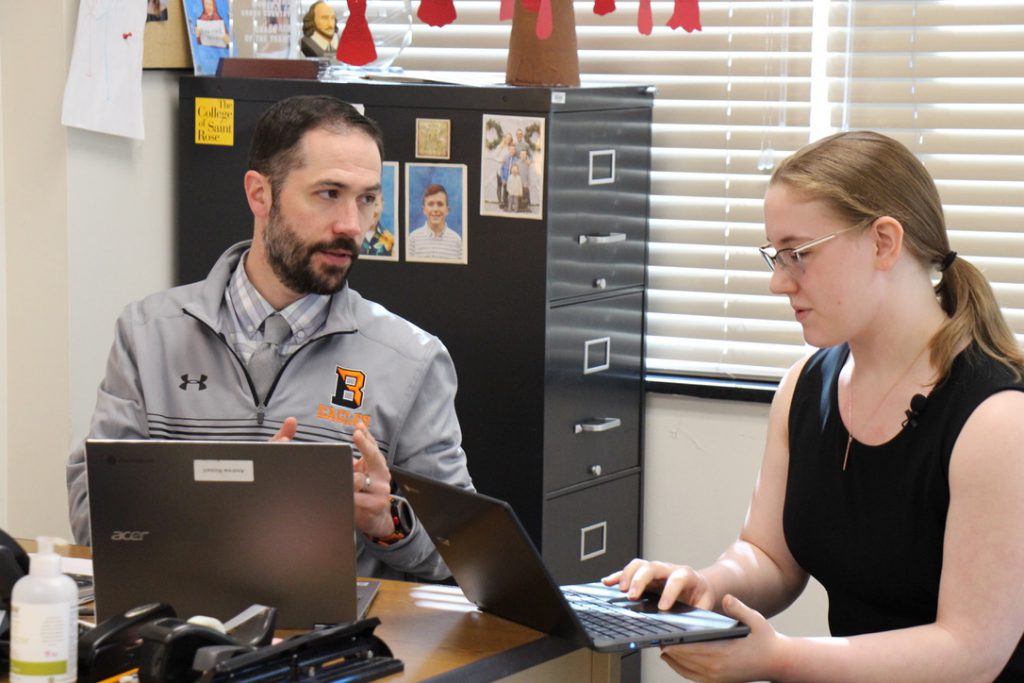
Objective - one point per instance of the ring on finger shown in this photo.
(366, 483)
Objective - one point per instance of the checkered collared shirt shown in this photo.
(246, 310)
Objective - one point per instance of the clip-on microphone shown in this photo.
(917, 404)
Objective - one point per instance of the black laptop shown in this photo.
(498, 568)
(213, 527)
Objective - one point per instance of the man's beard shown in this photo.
(292, 260)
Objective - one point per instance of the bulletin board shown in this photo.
(165, 44)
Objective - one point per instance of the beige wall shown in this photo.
(3, 299)
(35, 206)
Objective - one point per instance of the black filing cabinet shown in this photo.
(544, 321)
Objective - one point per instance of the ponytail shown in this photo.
(974, 315)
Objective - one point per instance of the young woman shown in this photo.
(894, 467)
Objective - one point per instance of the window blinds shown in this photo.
(947, 80)
(761, 79)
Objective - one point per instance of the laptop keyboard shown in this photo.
(609, 621)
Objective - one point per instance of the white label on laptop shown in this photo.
(223, 470)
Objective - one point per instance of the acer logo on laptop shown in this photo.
(128, 535)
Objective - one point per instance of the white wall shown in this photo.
(120, 234)
(701, 460)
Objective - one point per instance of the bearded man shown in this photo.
(346, 370)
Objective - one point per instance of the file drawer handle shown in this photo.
(597, 424)
(610, 238)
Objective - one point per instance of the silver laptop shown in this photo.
(499, 569)
(212, 527)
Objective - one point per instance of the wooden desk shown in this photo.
(440, 636)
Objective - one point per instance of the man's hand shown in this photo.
(371, 481)
(287, 430)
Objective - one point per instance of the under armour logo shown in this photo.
(186, 381)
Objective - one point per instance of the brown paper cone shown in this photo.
(543, 62)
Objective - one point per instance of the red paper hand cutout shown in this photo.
(644, 22)
(355, 46)
(687, 15)
(544, 20)
(436, 12)
(507, 10)
(532, 5)
(603, 7)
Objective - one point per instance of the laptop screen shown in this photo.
(213, 527)
(496, 565)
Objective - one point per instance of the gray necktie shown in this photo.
(266, 360)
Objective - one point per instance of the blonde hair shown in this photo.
(861, 176)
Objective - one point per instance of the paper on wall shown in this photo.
(103, 91)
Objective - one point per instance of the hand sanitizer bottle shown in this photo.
(44, 621)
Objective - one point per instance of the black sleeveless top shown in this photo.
(872, 535)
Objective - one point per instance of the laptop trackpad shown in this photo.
(679, 614)
(648, 604)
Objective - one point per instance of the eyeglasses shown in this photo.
(789, 259)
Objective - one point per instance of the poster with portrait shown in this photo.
(209, 33)
(381, 241)
(512, 167)
(435, 213)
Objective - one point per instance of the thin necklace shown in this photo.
(849, 403)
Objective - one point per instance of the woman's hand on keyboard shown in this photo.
(677, 583)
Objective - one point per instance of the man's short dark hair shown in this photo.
(435, 189)
(274, 150)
